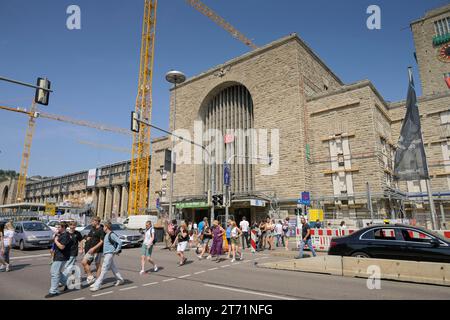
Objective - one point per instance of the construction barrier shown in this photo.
(253, 237)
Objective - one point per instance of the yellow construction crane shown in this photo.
(140, 153)
(33, 114)
(26, 154)
(200, 6)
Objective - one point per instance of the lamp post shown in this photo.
(175, 77)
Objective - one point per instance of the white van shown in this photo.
(137, 222)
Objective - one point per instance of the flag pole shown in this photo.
(430, 193)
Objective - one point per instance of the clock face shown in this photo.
(444, 53)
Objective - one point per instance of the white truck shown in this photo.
(137, 222)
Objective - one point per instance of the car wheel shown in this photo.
(360, 255)
(21, 245)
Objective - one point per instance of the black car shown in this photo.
(398, 242)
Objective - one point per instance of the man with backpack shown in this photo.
(112, 245)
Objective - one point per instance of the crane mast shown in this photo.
(140, 153)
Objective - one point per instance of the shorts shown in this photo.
(235, 241)
(91, 257)
(205, 241)
(146, 251)
(182, 246)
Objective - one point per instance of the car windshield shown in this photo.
(35, 226)
(118, 226)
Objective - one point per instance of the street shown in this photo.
(202, 280)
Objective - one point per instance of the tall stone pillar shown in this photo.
(94, 200)
(116, 202)
(108, 203)
(124, 201)
(101, 203)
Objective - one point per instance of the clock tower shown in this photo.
(432, 40)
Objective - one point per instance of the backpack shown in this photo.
(114, 243)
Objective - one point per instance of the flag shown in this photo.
(447, 79)
(410, 161)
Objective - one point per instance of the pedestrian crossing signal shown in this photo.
(217, 200)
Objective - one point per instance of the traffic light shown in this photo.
(217, 200)
(134, 121)
(42, 96)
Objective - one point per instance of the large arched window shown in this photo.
(231, 111)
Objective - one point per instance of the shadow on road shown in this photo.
(17, 267)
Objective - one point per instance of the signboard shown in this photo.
(226, 175)
(315, 214)
(194, 204)
(92, 174)
(50, 209)
(305, 198)
(257, 203)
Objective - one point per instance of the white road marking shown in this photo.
(149, 284)
(246, 261)
(236, 263)
(185, 276)
(227, 265)
(169, 279)
(264, 258)
(79, 298)
(213, 269)
(250, 292)
(34, 256)
(128, 288)
(199, 272)
(102, 294)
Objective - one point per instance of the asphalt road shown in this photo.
(209, 280)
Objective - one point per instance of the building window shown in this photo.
(341, 160)
(442, 26)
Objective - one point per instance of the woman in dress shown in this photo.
(216, 247)
(182, 239)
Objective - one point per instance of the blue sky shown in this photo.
(94, 71)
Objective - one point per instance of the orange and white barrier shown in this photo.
(321, 238)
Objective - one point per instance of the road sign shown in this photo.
(226, 175)
(305, 198)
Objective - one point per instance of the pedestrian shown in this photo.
(306, 238)
(75, 248)
(8, 239)
(318, 224)
(147, 247)
(279, 233)
(286, 233)
(270, 226)
(2, 248)
(244, 225)
(201, 225)
(217, 243)
(205, 238)
(228, 235)
(181, 239)
(112, 245)
(262, 236)
(342, 225)
(172, 230)
(61, 256)
(234, 236)
(93, 249)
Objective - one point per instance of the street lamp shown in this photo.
(175, 77)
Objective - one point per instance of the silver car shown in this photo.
(32, 234)
(129, 238)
